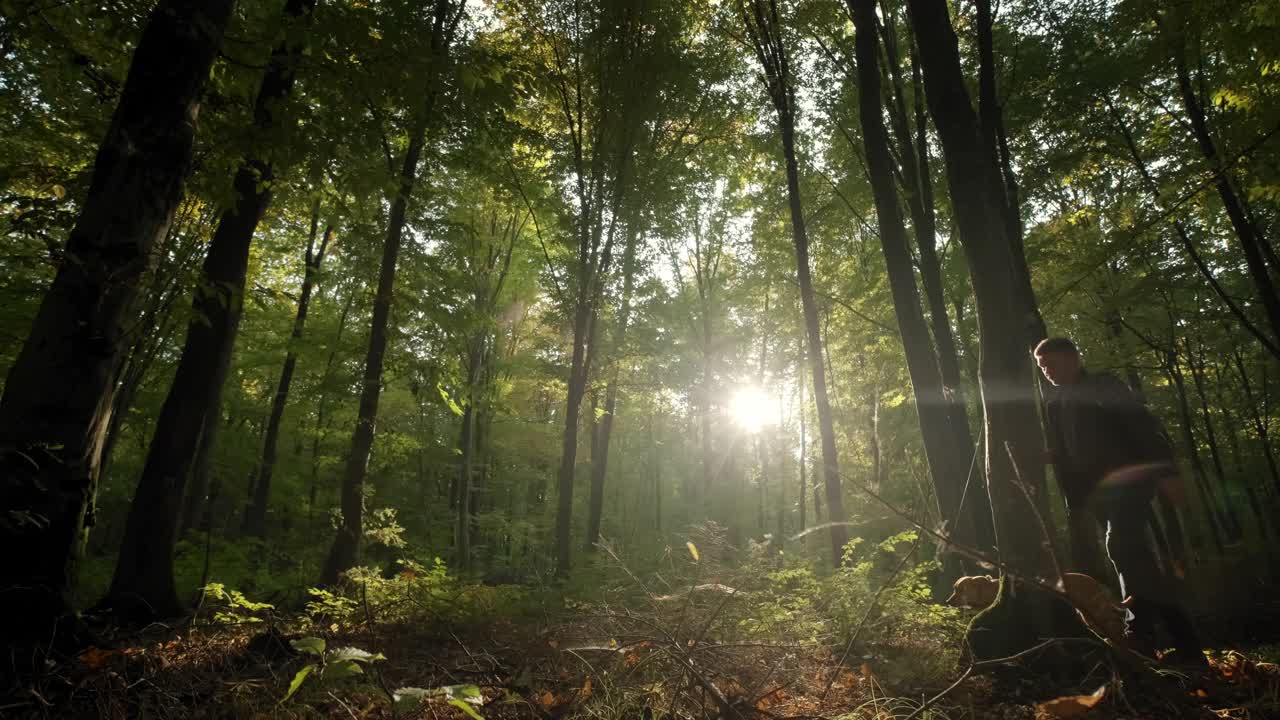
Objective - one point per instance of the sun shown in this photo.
(751, 409)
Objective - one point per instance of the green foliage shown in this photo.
(329, 665)
(231, 607)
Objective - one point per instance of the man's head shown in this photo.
(1059, 360)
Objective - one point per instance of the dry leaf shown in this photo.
(1072, 706)
(95, 657)
(586, 688)
(547, 700)
(631, 660)
(59, 192)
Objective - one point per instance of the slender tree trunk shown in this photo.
(1008, 320)
(257, 520)
(466, 467)
(1207, 500)
(57, 397)
(322, 405)
(599, 464)
(1250, 239)
(1255, 417)
(1233, 526)
(804, 441)
(947, 469)
(345, 551)
(143, 584)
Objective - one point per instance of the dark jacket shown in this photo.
(1096, 426)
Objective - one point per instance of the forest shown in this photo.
(640, 359)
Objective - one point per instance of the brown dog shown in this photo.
(1090, 598)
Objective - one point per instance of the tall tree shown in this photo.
(57, 396)
(256, 518)
(765, 30)
(945, 458)
(1013, 442)
(143, 581)
(345, 551)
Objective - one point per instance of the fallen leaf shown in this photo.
(95, 657)
(693, 550)
(547, 700)
(1071, 706)
(586, 688)
(59, 192)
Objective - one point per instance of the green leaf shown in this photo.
(466, 708)
(342, 669)
(313, 645)
(407, 698)
(354, 654)
(297, 680)
(444, 395)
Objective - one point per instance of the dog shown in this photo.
(1092, 601)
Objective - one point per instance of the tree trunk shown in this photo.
(57, 396)
(945, 460)
(466, 466)
(804, 441)
(143, 584)
(321, 406)
(345, 551)
(1207, 500)
(198, 492)
(256, 523)
(599, 465)
(1256, 418)
(1233, 527)
(1008, 319)
(1247, 234)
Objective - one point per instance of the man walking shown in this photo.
(1110, 455)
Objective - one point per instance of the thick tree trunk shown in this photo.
(143, 585)
(1008, 319)
(946, 466)
(57, 396)
(345, 551)
(256, 522)
(198, 492)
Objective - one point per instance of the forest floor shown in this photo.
(425, 646)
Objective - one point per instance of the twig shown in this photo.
(982, 665)
(344, 706)
(875, 599)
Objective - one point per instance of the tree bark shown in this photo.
(256, 523)
(1207, 500)
(345, 551)
(143, 584)
(57, 396)
(1008, 319)
(599, 465)
(1247, 234)
(1256, 418)
(946, 466)
(764, 26)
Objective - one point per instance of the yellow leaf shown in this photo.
(59, 192)
(693, 550)
(1071, 706)
(586, 688)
